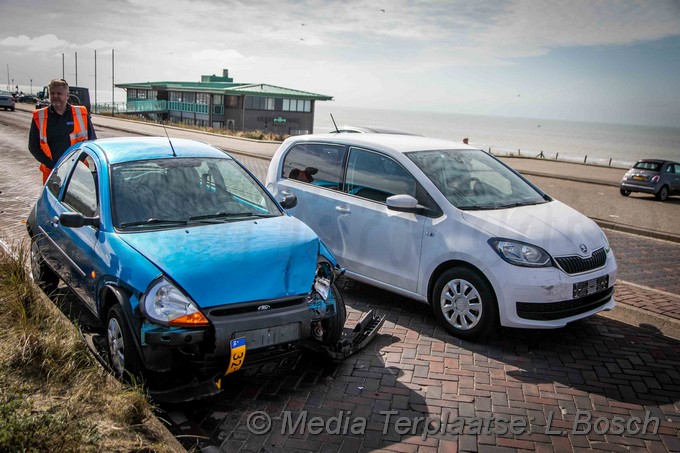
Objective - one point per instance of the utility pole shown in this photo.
(76, 68)
(31, 86)
(95, 79)
(113, 83)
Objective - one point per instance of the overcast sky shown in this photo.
(607, 61)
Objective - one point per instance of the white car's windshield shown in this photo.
(471, 179)
(183, 191)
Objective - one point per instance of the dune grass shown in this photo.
(54, 395)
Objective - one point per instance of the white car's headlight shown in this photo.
(607, 249)
(164, 304)
(520, 253)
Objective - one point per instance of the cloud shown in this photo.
(212, 55)
(39, 44)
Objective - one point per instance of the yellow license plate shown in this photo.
(237, 355)
(639, 178)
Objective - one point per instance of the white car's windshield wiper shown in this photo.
(519, 203)
(154, 221)
(476, 207)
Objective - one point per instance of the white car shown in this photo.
(449, 225)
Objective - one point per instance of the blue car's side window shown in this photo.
(59, 175)
(81, 192)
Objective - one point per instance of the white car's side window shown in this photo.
(315, 163)
(375, 176)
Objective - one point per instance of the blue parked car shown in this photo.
(186, 259)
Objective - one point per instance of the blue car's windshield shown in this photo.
(471, 179)
(183, 191)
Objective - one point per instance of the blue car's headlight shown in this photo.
(520, 253)
(164, 304)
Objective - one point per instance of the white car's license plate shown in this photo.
(595, 285)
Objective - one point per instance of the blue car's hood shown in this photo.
(234, 262)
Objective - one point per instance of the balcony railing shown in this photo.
(146, 106)
(141, 106)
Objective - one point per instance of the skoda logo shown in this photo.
(583, 248)
(263, 307)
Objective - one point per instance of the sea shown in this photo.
(615, 145)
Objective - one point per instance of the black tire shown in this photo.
(624, 192)
(333, 327)
(464, 303)
(662, 194)
(123, 356)
(42, 274)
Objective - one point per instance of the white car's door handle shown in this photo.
(285, 193)
(342, 209)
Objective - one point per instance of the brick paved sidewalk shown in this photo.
(543, 380)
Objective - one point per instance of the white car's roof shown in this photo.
(384, 142)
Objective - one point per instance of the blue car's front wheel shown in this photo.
(123, 355)
(333, 327)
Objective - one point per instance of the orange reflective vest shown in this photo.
(79, 133)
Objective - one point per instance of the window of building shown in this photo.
(316, 163)
(232, 101)
(190, 98)
(176, 96)
(202, 98)
(218, 99)
(258, 103)
(296, 105)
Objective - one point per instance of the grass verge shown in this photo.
(54, 395)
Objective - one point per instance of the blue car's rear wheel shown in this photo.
(123, 355)
(42, 274)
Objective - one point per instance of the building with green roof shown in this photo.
(221, 103)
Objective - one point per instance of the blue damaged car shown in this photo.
(184, 257)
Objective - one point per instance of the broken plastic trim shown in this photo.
(362, 334)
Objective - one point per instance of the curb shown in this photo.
(569, 178)
(639, 231)
(627, 314)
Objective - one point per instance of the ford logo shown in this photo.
(583, 248)
(263, 307)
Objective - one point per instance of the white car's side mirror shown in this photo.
(402, 202)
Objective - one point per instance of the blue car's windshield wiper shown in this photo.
(225, 215)
(154, 221)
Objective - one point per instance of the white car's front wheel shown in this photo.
(465, 304)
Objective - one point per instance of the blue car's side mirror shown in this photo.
(77, 220)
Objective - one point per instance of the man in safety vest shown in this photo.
(68, 124)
